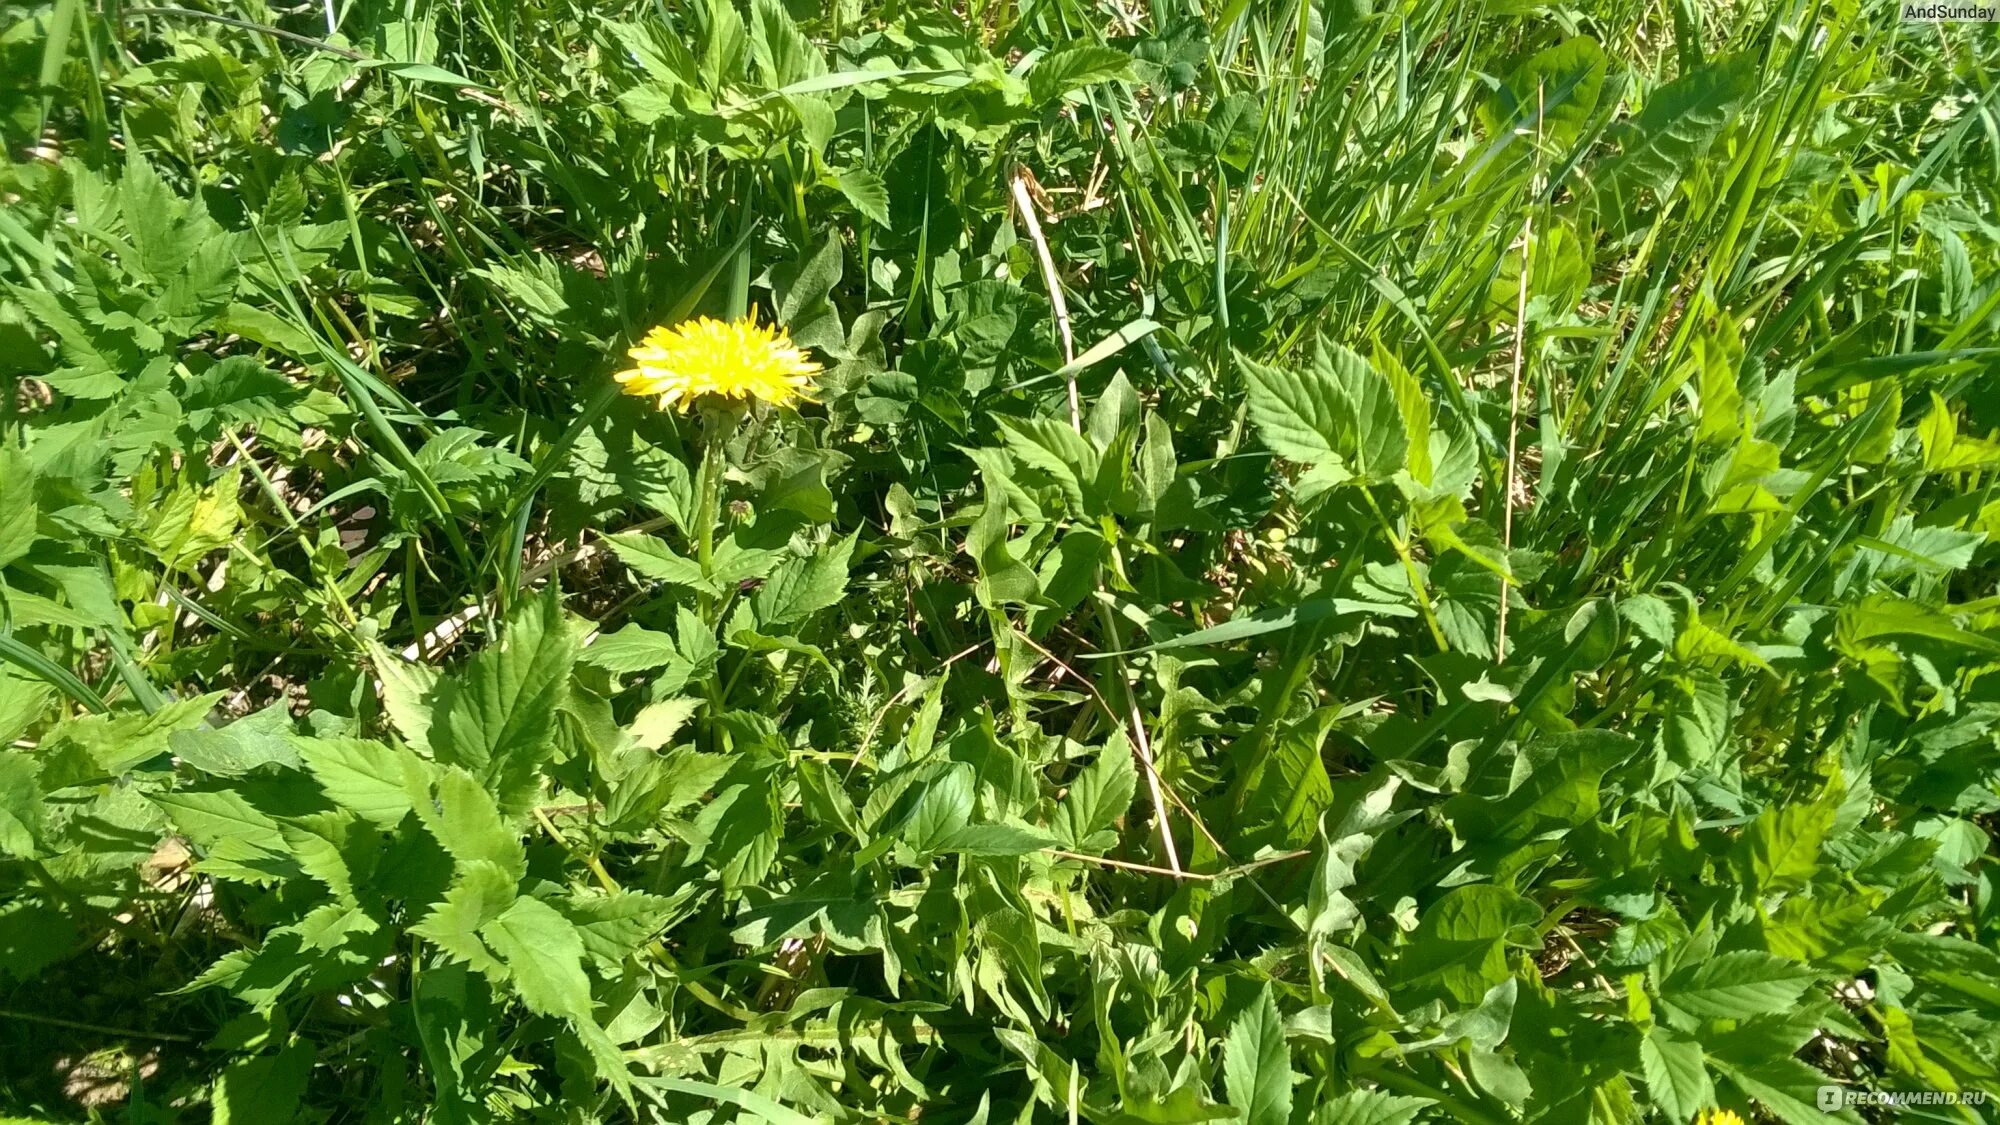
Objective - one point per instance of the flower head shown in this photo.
(1718, 1117)
(738, 359)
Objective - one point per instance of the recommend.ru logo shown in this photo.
(1832, 1098)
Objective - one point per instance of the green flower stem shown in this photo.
(718, 425)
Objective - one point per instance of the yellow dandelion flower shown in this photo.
(738, 359)
(1718, 1117)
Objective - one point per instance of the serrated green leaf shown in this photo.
(1097, 797)
(496, 717)
(1073, 67)
(467, 821)
(802, 587)
(1676, 1075)
(1736, 985)
(1337, 409)
(376, 782)
(1257, 1063)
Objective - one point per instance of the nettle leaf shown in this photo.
(1097, 798)
(20, 804)
(650, 557)
(1073, 67)
(1697, 718)
(1736, 985)
(1681, 121)
(1257, 1063)
(238, 391)
(496, 717)
(165, 230)
(1651, 618)
(123, 740)
(192, 518)
(17, 504)
(634, 648)
(467, 821)
(613, 926)
(237, 839)
(687, 656)
(377, 782)
(1780, 850)
(480, 893)
(1370, 1107)
(258, 739)
(265, 1088)
(543, 954)
(1055, 450)
(782, 53)
(867, 192)
(740, 826)
(799, 588)
(535, 286)
(408, 691)
(940, 806)
(1336, 410)
(1676, 1075)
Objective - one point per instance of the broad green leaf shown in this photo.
(375, 781)
(543, 954)
(1552, 95)
(867, 192)
(802, 587)
(17, 504)
(496, 716)
(1336, 409)
(1257, 1063)
(1676, 1075)
(408, 691)
(20, 804)
(649, 557)
(1681, 120)
(257, 739)
(1073, 67)
(263, 1089)
(1097, 797)
(613, 926)
(1736, 985)
(804, 305)
(1781, 847)
(941, 806)
(1370, 1107)
(633, 648)
(1286, 792)
(192, 519)
(235, 392)
(1258, 622)
(468, 823)
(1460, 942)
(1054, 449)
(481, 892)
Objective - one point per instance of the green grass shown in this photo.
(1468, 601)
